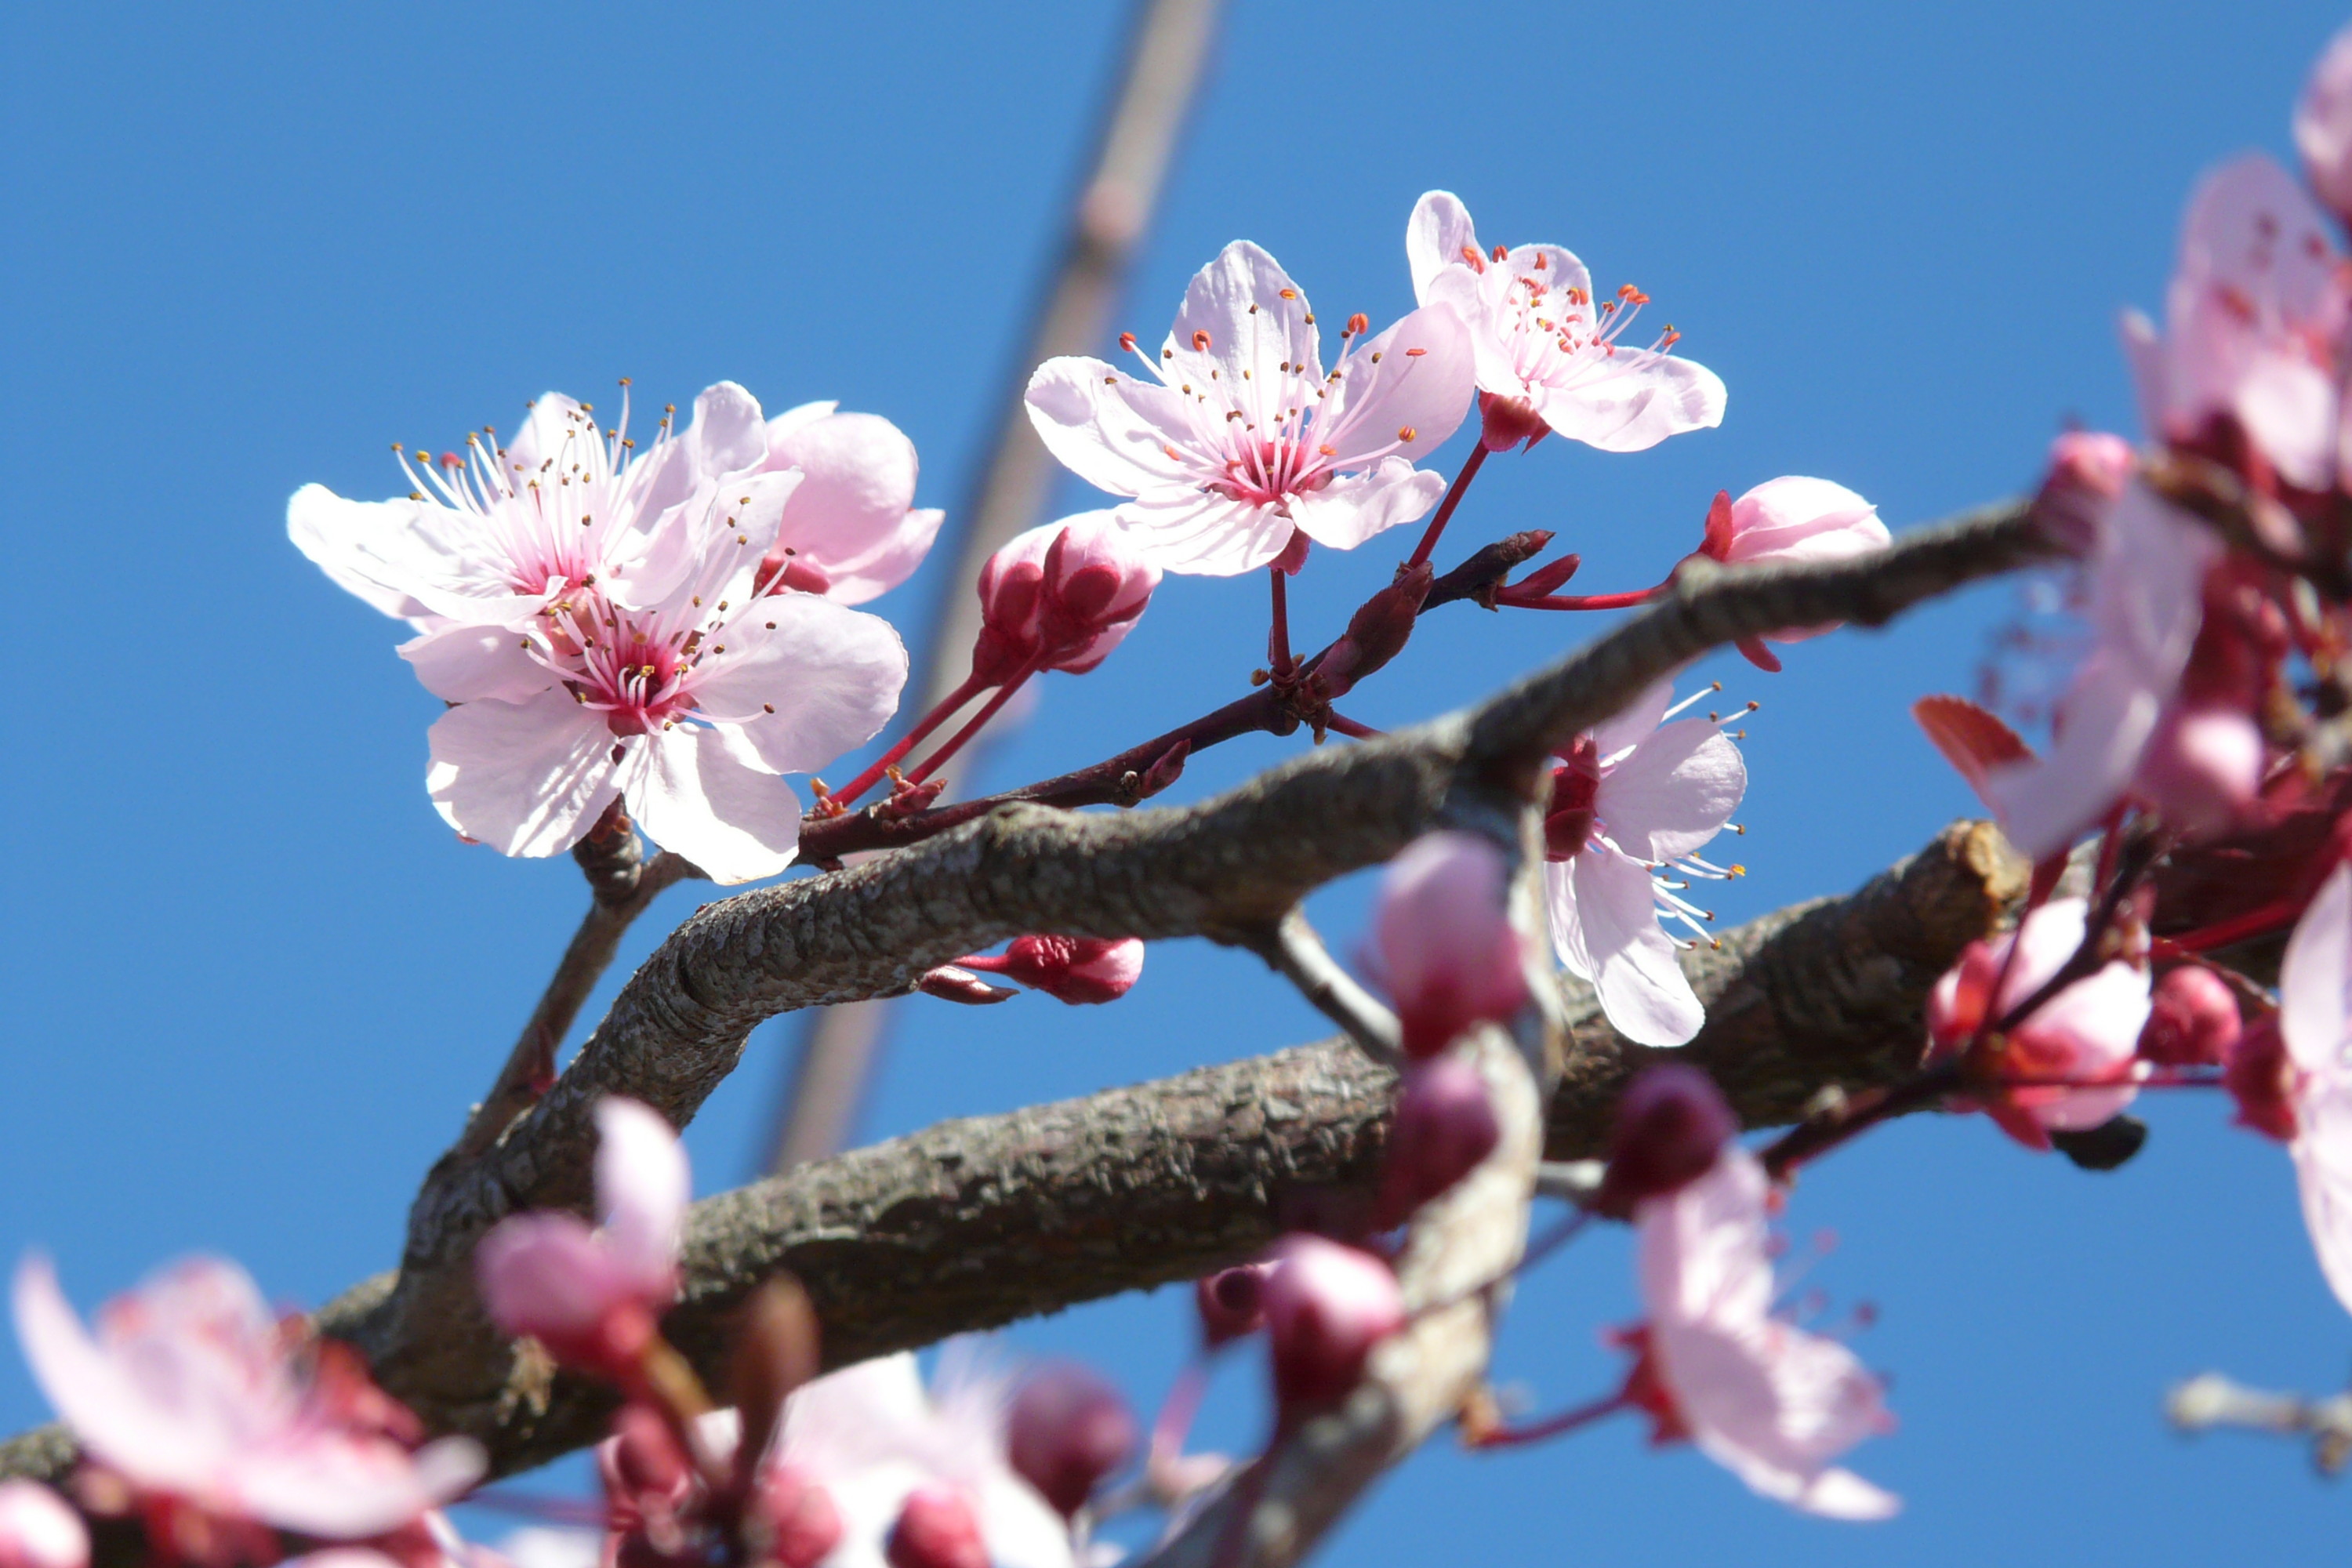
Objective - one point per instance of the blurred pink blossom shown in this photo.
(1767, 1400)
(2087, 1034)
(2316, 1022)
(1326, 1306)
(591, 1295)
(1541, 341)
(37, 1530)
(193, 1395)
(1443, 945)
(2323, 124)
(1241, 446)
(1636, 799)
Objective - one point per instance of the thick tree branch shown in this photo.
(977, 1222)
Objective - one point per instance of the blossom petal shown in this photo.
(357, 1487)
(2108, 715)
(1674, 792)
(1634, 406)
(2316, 981)
(469, 664)
(805, 679)
(1435, 237)
(850, 519)
(546, 1273)
(1244, 319)
(695, 795)
(642, 1187)
(1631, 724)
(712, 543)
(2322, 1151)
(1405, 392)
(1700, 1251)
(525, 778)
(407, 558)
(1606, 927)
(784, 425)
(1351, 510)
(1191, 533)
(95, 1395)
(1111, 430)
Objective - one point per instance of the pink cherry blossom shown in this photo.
(870, 1435)
(1061, 598)
(1243, 444)
(2323, 124)
(687, 711)
(1442, 944)
(2087, 1034)
(486, 541)
(851, 530)
(2146, 582)
(193, 1392)
(2254, 317)
(1767, 1400)
(591, 1295)
(38, 1530)
(1326, 1306)
(2088, 473)
(1636, 799)
(1541, 340)
(2315, 1021)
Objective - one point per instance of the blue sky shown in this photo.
(251, 981)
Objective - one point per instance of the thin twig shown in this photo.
(1293, 949)
(2211, 1400)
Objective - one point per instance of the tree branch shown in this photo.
(1292, 949)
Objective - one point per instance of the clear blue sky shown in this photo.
(251, 983)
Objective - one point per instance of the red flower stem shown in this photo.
(1470, 465)
(1278, 639)
(1349, 727)
(1553, 1425)
(1624, 601)
(1174, 1423)
(912, 738)
(962, 737)
(2270, 918)
(1810, 1141)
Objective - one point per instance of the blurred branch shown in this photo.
(2212, 1400)
(1292, 949)
(1166, 60)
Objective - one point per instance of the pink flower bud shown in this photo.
(1068, 1430)
(798, 1518)
(1442, 944)
(38, 1530)
(645, 1473)
(2202, 768)
(1792, 520)
(2193, 1020)
(1232, 1303)
(2260, 1077)
(548, 1275)
(1078, 970)
(2089, 470)
(1444, 1125)
(937, 1529)
(1672, 1124)
(2323, 125)
(1326, 1306)
(1060, 597)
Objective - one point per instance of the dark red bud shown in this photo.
(1068, 1429)
(1444, 1126)
(1232, 1303)
(2257, 1077)
(2193, 1020)
(937, 1529)
(949, 983)
(1326, 1306)
(1671, 1125)
(1379, 629)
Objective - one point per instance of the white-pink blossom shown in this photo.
(871, 1435)
(851, 530)
(590, 1295)
(2323, 124)
(1443, 945)
(2147, 580)
(1242, 442)
(687, 711)
(1772, 1403)
(2086, 1035)
(2253, 318)
(1636, 798)
(191, 1391)
(1792, 521)
(1541, 339)
(37, 1530)
(2316, 1022)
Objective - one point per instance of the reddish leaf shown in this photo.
(1972, 740)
